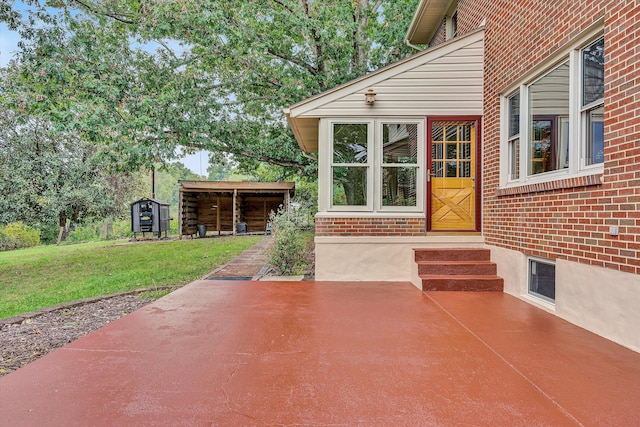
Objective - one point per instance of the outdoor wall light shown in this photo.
(370, 97)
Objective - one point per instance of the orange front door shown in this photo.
(452, 186)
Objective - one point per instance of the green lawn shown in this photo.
(44, 276)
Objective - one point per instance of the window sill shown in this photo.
(558, 184)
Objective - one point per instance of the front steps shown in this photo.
(457, 269)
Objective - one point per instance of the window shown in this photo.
(454, 24)
(377, 157)
(399, 164)
(548, 101)
(592, 58)
(542, 279)
(514, 136)
(451, 21)
(350, 167)
(551, 130)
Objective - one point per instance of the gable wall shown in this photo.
(450, 84)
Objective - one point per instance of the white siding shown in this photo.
(447, 85)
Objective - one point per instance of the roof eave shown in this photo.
(426, 20)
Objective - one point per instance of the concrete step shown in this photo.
(452, 254)
(462, 283)
(457, 268)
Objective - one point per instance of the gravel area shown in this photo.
(31, 338)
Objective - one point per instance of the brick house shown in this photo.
(506, 132)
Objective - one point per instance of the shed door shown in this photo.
(453, 178)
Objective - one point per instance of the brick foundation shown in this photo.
(370, 227)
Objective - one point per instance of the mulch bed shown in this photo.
(32, 336)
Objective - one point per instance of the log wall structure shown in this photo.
(220, 206)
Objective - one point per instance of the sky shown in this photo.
(197, 162)
(8, 44)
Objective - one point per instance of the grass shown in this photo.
(48, 275)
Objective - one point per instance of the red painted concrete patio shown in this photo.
(316, 353)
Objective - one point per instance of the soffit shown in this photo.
(426, 20)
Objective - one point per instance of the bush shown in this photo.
(287, 257)
(17, 235)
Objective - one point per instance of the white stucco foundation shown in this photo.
(601, 300)
(378, 258)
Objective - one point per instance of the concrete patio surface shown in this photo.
(241, 353)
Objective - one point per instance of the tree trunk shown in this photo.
(62, 222)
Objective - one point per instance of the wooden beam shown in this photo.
(218, 208)
(235, 195)
(242, 186)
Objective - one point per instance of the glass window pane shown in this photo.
(595, 131)
(452, 151)
(465, 133)
(437, 151)
(350, 143)
(452, 169)
(549, 100)
(514, 115)
(399, 186)
(465, 169)
(438, 170)
(400, 143)
(349, 186)
(465, 151)
(593, 72)
(452, 133)
(542, 279)
(514, 158)
(437, 133)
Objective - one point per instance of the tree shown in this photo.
(209, 75)
(48, 178)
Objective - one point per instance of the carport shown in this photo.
(230, 207)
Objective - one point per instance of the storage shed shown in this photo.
(230, 207)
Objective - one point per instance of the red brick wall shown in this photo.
(370, 226)
(440, 36)
(564, 221)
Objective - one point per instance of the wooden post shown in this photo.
(218, 207)
(180, 212)
(235, 195)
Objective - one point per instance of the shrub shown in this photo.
(17, 235)
(287, 257)
(84, 233)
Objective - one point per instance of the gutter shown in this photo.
(408, 43)
(309, 156)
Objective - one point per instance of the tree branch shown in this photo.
(125, 19)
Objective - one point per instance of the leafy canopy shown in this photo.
(141, 79)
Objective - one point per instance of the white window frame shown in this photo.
(369, 165)
(451, 21)
(530, 261)
(374, 166)
(419, 165)
(576, 123)
(512, 138)
(584, 111)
